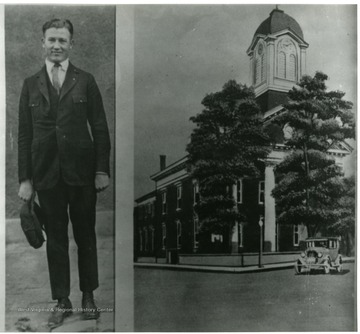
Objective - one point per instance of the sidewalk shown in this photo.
(248, 269)
(28, 296)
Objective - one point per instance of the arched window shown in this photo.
(282, 65)
(286, 60)
(292, 67)
(262, 67)
(258, 70)
(259, 65)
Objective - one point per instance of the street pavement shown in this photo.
(181, 298)
(28, 296)
(276, 300)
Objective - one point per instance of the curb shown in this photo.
(234, 270)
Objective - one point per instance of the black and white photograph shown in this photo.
(245, 167)
(178, 167)
(60, 115)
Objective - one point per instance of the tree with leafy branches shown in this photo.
(345, 225)
(310, 188)
(228, 143)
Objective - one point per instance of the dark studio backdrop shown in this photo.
(94, 52)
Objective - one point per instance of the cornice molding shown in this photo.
(169, 171)
(272, 37)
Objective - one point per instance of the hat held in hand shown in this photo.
(32, 223)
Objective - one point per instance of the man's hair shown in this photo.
(58, 23)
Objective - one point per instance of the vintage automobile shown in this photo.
(321, 254)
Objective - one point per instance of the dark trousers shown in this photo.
(58, 204)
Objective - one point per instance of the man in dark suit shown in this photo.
(64, 150)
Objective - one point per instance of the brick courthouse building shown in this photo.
(165, 221)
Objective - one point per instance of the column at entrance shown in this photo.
(235, 239)
(270, 216)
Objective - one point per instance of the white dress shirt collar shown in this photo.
(64, 65)
(62, 70)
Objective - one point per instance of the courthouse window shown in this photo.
(196, 193)
(152, 238)
(140, 240)
(196, 232)
(152, 210)
(178, 230)
(239, 191)
(163, 236)
(292, 68)
(261, 192)
(148, 209)
(282, 65)
(217, 238)
(163, 200)
(296, 235)
(179, 197)
(146, 237)
(286, 60)
(262, 75)
(259, 68)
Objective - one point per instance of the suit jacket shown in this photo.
(57, 144)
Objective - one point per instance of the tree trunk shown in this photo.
(307, 172)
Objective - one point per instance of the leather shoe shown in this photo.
(62, 310)
(89, 309)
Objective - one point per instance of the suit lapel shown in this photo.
(70, 81)
(42, 83)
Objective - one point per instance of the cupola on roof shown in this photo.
(278, 21)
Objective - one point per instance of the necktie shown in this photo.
(55, 77)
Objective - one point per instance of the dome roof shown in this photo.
(278, 21)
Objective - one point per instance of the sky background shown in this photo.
(183, 52)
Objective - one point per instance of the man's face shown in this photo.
(57, 43)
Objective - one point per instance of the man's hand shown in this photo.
(101, 182)
(26, 190)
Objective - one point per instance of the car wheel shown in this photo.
(327, 267)
(339, 268)
(297, 268)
